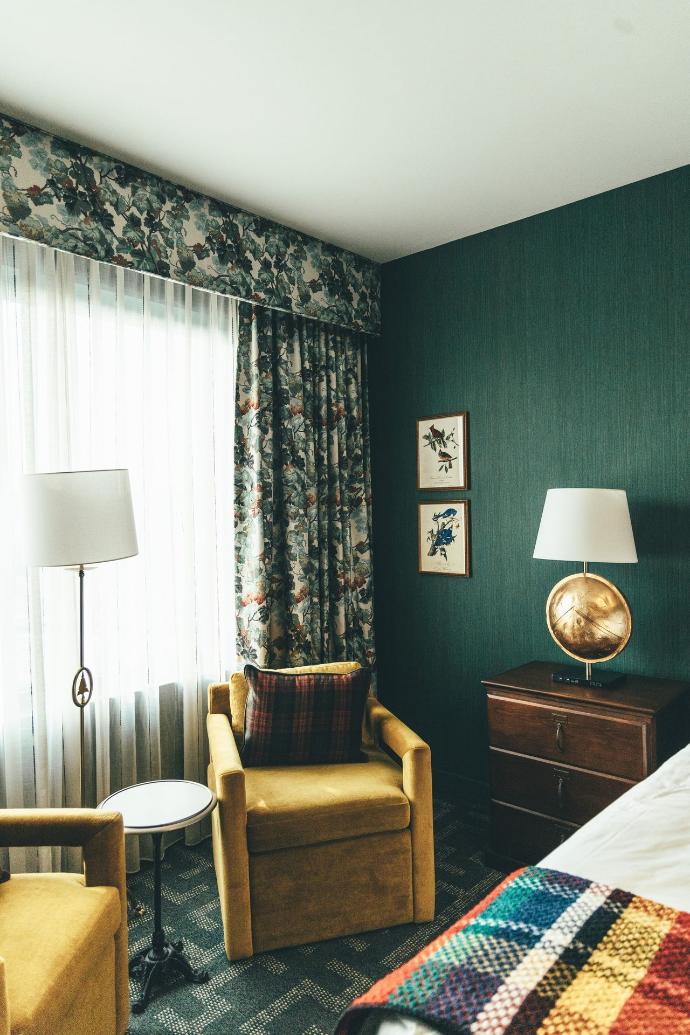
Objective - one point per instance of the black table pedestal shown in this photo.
(162, 958)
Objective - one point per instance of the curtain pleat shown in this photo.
(101, 366)
(302, 492)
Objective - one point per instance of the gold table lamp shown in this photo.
(587, 616)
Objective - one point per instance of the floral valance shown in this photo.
(70, 197)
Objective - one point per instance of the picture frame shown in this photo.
(444, 537)
(442, 460)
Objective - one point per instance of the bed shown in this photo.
(640, 843)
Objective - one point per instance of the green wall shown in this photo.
(567, 338)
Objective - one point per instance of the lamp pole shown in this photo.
(82, 691)
(588, 664)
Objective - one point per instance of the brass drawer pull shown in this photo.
(560, 721)
(562, 832)
(561, 785)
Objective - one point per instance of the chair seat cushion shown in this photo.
(304, 805)
(51, 928)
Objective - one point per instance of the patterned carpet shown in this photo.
(294, 991)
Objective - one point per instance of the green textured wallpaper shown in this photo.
(567, 338)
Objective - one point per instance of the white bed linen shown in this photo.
(640, 843)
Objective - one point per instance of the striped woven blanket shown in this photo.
(546, 953)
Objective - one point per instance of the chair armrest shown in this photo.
(230, 837)
(389, 730)
(99, 834)
(413, 752)
(219, 699)
(101, 837)
(415, 756)
(229, 773)
(4, 1004)
(225, 755)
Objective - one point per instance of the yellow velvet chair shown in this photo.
(305, 853)
(63, 936)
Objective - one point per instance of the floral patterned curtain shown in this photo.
(302, 492)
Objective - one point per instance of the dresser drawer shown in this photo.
(524, 837)
(581, 738)
(550, 788)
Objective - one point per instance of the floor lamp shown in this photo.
(75, 520)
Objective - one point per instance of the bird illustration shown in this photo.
(436, 434)
(445, 458)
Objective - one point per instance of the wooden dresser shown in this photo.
(559, 754)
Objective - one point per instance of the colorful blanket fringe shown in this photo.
(546, 953)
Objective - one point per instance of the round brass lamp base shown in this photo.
(588, 617)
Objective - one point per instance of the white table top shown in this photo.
(159, 805)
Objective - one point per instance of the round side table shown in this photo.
(156, 807)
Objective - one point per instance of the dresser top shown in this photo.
(634, 693)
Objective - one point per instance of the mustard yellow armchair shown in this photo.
(306, 853)
(63, 936)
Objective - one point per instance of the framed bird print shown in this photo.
(444, 537)
(442, 451)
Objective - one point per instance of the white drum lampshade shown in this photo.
(586, 525)
(75, 518)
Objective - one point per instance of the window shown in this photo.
(102, 366)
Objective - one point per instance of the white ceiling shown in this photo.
(385, 126)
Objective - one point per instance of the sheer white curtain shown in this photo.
(104, 367)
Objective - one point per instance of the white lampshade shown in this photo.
(78, 517)
(586, 525)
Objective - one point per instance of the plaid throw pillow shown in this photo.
(303, 719)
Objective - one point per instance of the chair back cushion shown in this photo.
(303, 718)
